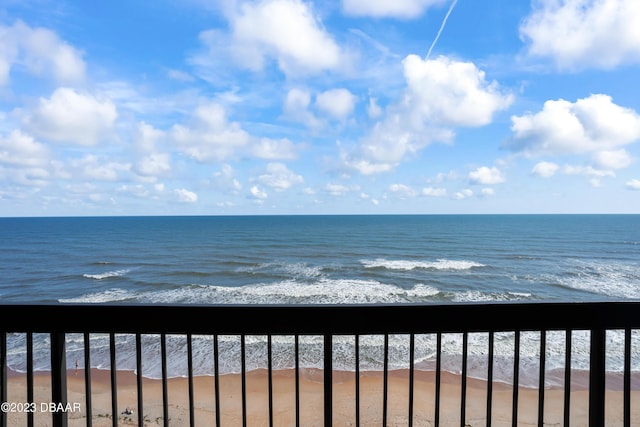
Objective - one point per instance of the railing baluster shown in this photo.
(139, 379)
(328, 380)
(385, 381)
(3, 376)
(114, 389)
(190, 379)
(543, 356)
(627, 377)
(597, 377)
(567, 379)
(58, 377)
(411, 376)
(216, 378)
(244, 380)
(297, 381)
(436, 417)
(30, 414)
(490, 379)
(165, 393)
(357, 380)
(270, 369)
(463, 386)
(516, 378)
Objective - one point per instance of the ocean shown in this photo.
(328, 259)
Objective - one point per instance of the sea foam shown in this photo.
(440, 264)
(106, 275)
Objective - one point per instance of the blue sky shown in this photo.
(296, 107)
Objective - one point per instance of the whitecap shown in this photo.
(439, 264)
(106, 275)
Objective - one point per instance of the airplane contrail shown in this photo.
(444, 22)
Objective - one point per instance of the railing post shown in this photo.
(3, 376)
(597, 378)
(328, 380)
(58, 377)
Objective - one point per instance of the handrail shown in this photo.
(319, 319)
(327, 321)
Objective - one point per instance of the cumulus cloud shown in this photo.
(615, 159)
(20, 149)
(185, 196)
(285, 31)
(486, 176)
(338, 103)
(257, 194)
(225, 180)
(434, 192)
(584, 33)
(95, 168)
(633, 184)
(73, 117)
(339, 189)
(275, 149)
(440, 94)
(296, 107)
(154, 165)
(41, 52)
(279, 177)
(404, 9)
(210, 136)
(589, 125)
(545, 169)
(463, 194)
(402, 190)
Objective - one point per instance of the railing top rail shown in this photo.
(318, 319)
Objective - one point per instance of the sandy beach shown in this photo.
(311, 400)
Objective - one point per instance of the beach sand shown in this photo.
(311, 400)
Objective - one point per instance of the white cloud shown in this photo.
(584, 33)
(286, 31)
(226, 181)
(272, 149)
(402, 190)
(545, 169)
(616, 159)
(404, 9)
(463, 194)
(440, 94)
(73, 117)
(339, 189)
(92, 167)
(185, 196)
(279, 177)
(41, 52)
(486, 176)
(19, 149)
(434, 192)
(448, 92)
(487, 192)
(258, 194)
(146, 137)
(296, 107)
(154, 165)
(633, 184)
(338, 103)
(373, 109)
(591, 124)
(210, 136)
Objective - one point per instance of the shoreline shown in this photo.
(311, 399)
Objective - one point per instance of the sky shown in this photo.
(195, 107)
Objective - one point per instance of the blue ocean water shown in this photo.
(319, 260)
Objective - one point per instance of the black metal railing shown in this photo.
(327, 321)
